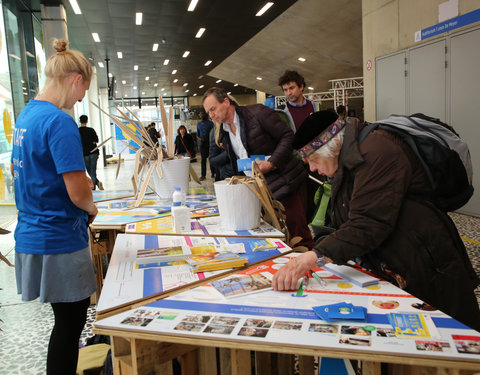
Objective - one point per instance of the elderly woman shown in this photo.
(382, 217)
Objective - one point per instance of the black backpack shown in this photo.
(444, 156)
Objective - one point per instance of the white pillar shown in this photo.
(105, 120)
(261, 97)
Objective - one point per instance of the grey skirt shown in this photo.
(55, 278)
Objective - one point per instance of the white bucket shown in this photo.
(239, 208)
(175, 172)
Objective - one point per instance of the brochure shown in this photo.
(240, 285)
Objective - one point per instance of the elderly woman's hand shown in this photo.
(287, 277)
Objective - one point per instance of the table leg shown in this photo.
(207, 361)
(305, 365)
(240, 362)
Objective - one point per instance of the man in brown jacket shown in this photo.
(258, 130)
(383, 219)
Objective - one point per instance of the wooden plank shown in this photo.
(207, 361)
(263, 363)
(306, 365)
(189, 363)
(240, 362)
(371, 368)
(225, 361)
(285, 363)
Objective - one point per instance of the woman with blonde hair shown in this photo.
(55, 206)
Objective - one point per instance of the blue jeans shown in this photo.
(91, 166)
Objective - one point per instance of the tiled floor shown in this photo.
(26, 326)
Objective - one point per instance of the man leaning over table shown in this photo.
(258, 130)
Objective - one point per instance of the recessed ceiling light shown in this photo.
(143, 92)
(164, 93)
(134, 87)
(229, 92)
(302, 59)
(201, 86)
(200, 32)
(192, 5)
(110, 75)
(155, 47)
(155, 85)
(264, 9)
(174, 71)
(236, 84)
(124, 82)
(259, 78)
(175, 80)
(208, 62)
(116, 91)
(95, 37)
(120, 55)
(187, 90)
(166, 62)
(218, 81)
(135, 67)
(147, 78)
(163, 89)
(185, 84)
(186, 53)
(310, 88)
(76, 8)
(138, 18)
(100, 64)
(125, 95)
(195, 94)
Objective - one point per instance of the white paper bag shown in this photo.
(175, 172)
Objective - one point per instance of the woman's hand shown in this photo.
(287, 277)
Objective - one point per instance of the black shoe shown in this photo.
(202, 178)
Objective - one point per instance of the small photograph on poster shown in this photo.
(432, 346)
(283, 324)
(467, 344)
(136, 321)
(225, 320)
(355, 340)
(355, 330)
(259, 323)
(196, 318)
(385, 332)
(423, 306)
(191, 327)
(219, 329)
(323, 328)
(241, 285)
(167, 315)
(253, 332)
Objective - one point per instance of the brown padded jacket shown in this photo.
(383, 218)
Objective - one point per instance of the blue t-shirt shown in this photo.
(46, 143)
(203, 129)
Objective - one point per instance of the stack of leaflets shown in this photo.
(216, 261)
(262, 244)
(164, 254)
(413, 325)
(341, 311)
(351, 274)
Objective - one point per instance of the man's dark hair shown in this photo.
(218, 92)
(152, 124)
(291, 76)
(341, 110)
(83, 119)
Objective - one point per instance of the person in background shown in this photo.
(259, 130)
(89, 142)
(342, 112)
(203, 134)
(152, 132)
(184, 144)
(382, 217)
(298, 107)
(218, 156)
(55, 206)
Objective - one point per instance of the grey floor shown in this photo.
(25, 326)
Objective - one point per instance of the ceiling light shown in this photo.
(186, 53)
(164, 93)
(147, 78)
(76, 8)
(174, 71)
(175, 80)
(259, 78)
(187, 90)
(134, 87)
(208, 62)
(310, 88)
(163, 89)
(302, 59)
(143, 92)
(138, 18)
(229, 92)
(264, 9)
(120, 55)
(218, 81)
(192, 5)
(135, 67)
(236, 84)
(110, 75)
(116, 91)
(185, 84)
(200, 32)
(100, 64)
(155, 47)
(166, 62)
(124, 82)
(155, 85)
(195, 94)
(125, 95)
(96, 38)
(201, 86)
